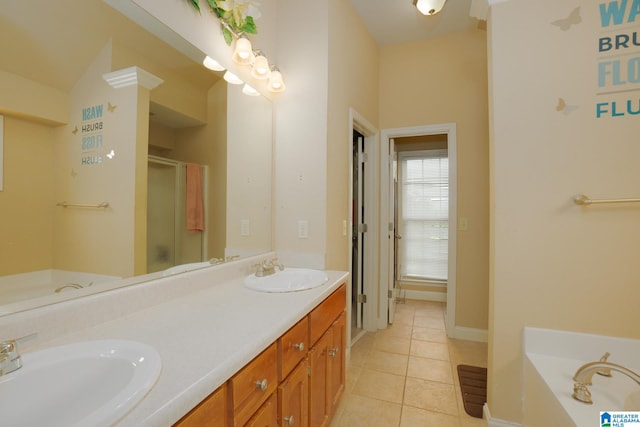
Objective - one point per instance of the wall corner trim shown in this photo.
(493, 422)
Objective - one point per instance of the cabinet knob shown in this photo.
(289, 420)
(299, 346)
(333, 352)
(262, 385)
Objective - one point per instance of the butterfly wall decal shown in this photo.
(111, 107)
(574, 18)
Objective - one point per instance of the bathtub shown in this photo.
(553, 357)
(19, 287)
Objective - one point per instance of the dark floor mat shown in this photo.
(473, 384)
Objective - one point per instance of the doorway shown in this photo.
(361, 226)
(387, 216)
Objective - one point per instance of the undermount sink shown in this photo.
(287, 280)
(90, 383)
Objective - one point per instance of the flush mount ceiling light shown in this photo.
(429, 7)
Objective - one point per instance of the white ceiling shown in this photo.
(398, 21)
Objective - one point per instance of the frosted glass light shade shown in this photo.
(260, 68)
(248, 90)
(243, 53)
(212, 64)
(429, 7)
(276, 83)
(232, 78)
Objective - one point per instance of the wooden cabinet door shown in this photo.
(266, 415)
(318, 363)
(293, 398)
(336, 363)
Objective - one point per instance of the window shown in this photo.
(424, 215)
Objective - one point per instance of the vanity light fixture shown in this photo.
(276, 83)
(243, 54)
(249, 90)
(212, 64)
(232, 78)
(261, 69)
(429, 7)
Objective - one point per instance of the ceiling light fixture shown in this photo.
(232, 78)
(261, 69)
(248, 90)
(276, 83)
(212, 64)
(429, 7)
(243, 54)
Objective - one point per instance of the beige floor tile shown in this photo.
(432, 350)
(416, 417)
(351, 377)
(429, 334)
(467, 421)
(397, 330)
(430, 369)
(380, 385)
(429, 322)
(403, 318)
(392, 344)
(432, 396)
(391, 363)
(360, 411)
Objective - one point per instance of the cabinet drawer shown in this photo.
(323, 315)
(252, 385)
(293, 347)
(266, 416)
(211, 412)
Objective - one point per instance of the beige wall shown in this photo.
(554, 264)
(27, 200)
(353, 83)
(444, 80)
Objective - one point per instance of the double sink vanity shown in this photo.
(202, 349)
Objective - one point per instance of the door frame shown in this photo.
(371, 197)
(450, 130)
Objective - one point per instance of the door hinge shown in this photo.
(363, 157)
(390, 293)
(362, 228)
(362, 299)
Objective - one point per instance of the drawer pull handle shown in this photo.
(289, 420)
(262, 385)
(299, 346)
(333, 352)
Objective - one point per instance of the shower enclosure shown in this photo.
(169, 243)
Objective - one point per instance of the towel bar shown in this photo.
(582, 199)
(82, 205)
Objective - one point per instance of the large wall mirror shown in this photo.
(124, 159)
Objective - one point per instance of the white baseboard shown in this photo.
(422, 295)
(469, 334)
(493, 422)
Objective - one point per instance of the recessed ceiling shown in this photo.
(398, 21)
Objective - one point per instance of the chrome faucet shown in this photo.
(268, 267)
(584, 375)
(10, 359)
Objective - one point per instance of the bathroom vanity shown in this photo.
(289, 383)
(218, 341)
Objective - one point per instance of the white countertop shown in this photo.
(203, 338)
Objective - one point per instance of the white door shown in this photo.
(392, 236)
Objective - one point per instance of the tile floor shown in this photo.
(405, 376)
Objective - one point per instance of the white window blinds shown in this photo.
(424, 215)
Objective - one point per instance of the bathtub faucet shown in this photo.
(584, 374)
(10, 359)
